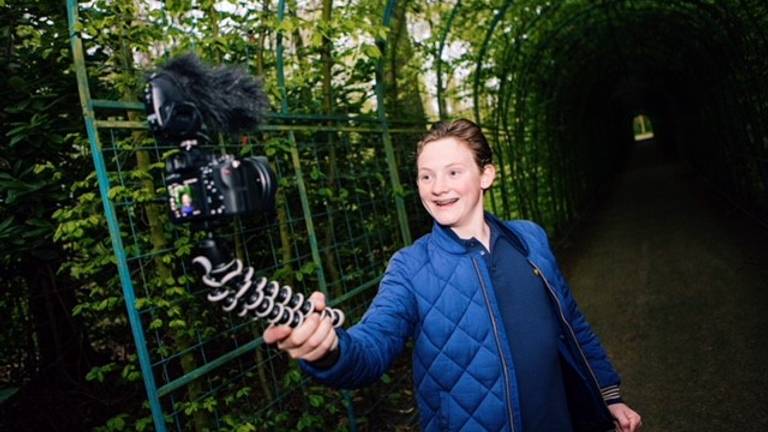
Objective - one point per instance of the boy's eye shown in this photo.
(424, 177)
(454, 173)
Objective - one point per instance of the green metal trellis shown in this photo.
(300, 132)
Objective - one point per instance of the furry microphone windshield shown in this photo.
(229, 99)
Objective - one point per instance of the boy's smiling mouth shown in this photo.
(445, 203)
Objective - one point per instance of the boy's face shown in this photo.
(451, 184)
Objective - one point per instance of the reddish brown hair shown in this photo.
(465, 131)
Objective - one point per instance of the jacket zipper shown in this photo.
(504, 367)
(539, 273)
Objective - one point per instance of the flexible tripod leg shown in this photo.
(233, 286)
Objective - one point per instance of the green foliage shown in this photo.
(123, 38)
(40, 151)
(509, 67)
(347, 184)
(38, 121)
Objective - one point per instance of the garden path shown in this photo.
(673, 279)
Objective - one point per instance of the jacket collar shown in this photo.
(446, 239)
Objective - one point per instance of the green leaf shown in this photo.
(292, 377)
(245, 427)
(115, 190)
(143, 424)
(77, 310)
(116, 423)
(130, 373)
(16, 139)
(371, 51)
(156, 324)
(243, 392)
(177, 324)
(142, 302)
(316, 400)
(210, 404)
(6, 223)
(98, 373)
(192, 407)
(308, 268)
(325, 192)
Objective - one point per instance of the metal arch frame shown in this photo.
(722, 17)
(508, 61)
(499, 117)
(478, 72)
(492, 29)
(394, 176)
(481, 56)
(694, 43)
(557, 32)
(521, 92)
(439, 60)
(532, 63)
(692, 9)
(303, 196)
(502, 96)
(126, 282)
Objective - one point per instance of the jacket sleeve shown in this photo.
(607, 378)
(367, 349)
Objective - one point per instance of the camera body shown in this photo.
(204, 187)
(186, 100)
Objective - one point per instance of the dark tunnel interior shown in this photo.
(672, 263)
(696, 68)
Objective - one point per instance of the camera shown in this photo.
(186, 101)
(204, 187)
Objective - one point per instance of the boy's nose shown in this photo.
(439, 186)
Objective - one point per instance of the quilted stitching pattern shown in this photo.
(457, 373)
(433, 294)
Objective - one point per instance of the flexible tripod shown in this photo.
(233, 286)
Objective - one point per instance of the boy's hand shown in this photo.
(626, 419)
(312, 340)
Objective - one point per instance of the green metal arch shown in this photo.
(439, 59)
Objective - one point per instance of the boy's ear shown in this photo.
(487, 176)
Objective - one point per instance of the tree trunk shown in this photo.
(403, 95)
(58, 334)
(326, 60)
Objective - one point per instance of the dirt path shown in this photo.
(675, 282)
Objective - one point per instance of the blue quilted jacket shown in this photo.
(440, 294)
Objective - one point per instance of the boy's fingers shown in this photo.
(623, 423)
(277, 333)
(318, 299)
(328, 344)
(314, 340)
(301, 333)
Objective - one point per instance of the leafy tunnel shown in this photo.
(567, 78)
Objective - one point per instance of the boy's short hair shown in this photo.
(463, 130)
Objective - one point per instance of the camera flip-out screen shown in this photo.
(184, 199)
